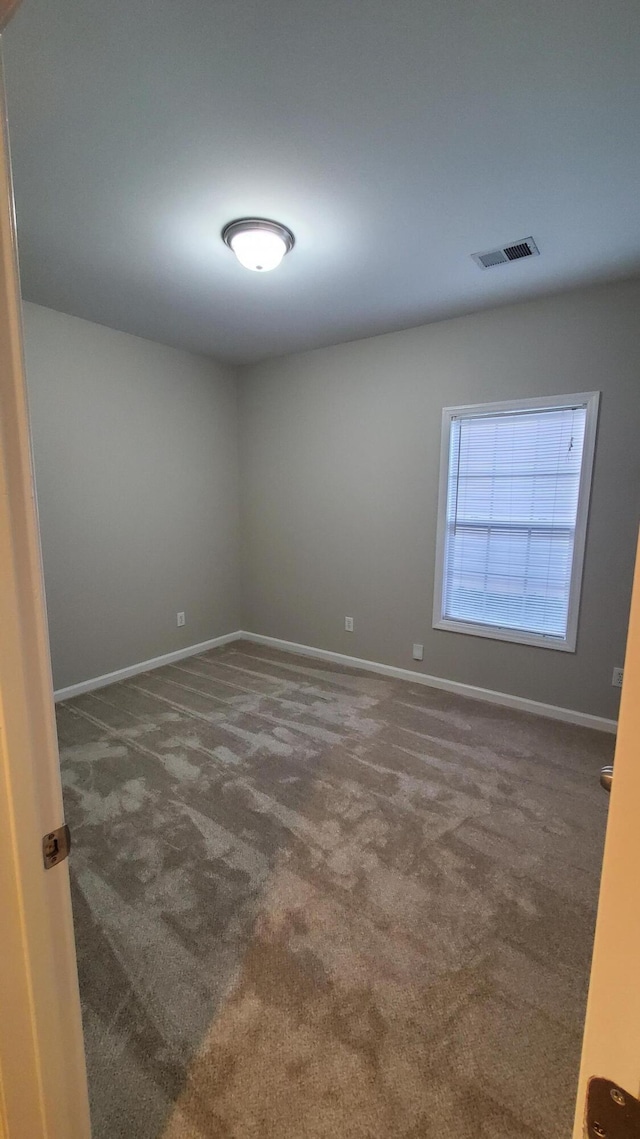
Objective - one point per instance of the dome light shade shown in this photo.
(258, 244)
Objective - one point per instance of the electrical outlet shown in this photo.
(348, 624)
(418, 652)
(616, 679)
(181, 620)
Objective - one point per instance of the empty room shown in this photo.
(330, 336)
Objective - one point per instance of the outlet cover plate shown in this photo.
(348, 624)
(616, 679)
(181, 620)
(418, 652)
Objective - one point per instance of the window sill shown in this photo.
(514, 636)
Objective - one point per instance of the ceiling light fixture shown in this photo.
(258, 244)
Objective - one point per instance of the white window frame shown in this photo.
(497, 632)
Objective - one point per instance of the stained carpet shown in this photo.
(315, 903)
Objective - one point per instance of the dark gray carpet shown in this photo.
(315, 903)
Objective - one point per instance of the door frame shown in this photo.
(611, 1036)
(43, 1087)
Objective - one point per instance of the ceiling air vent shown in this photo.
(514, 252)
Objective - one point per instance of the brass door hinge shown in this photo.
(612, 1113)
(56, 846)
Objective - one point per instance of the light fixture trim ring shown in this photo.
(242, 225)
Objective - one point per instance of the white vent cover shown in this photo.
(526, 247)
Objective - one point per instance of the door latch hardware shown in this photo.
(56, 846)
(612, 1113)
(606, 777)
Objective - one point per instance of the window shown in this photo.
(515, 480)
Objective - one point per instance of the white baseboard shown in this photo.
(505, 699)
(143, 666)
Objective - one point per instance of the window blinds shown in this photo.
(512, 503)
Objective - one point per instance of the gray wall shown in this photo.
(339, 477)
(136, 460)
(137, 475)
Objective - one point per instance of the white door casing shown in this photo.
(43, 1092)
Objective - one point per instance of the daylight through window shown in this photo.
(513, 518)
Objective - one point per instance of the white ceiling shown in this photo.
(393, 138)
